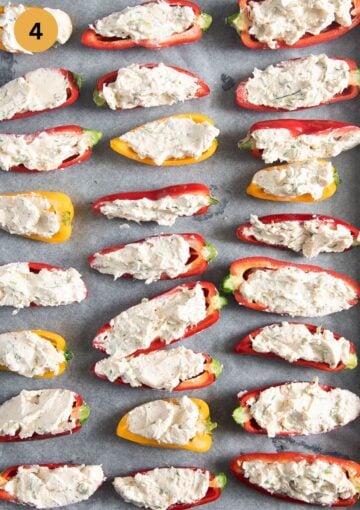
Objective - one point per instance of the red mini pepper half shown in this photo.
(242, 22)
(214, 303)
(296, 127)
(349, 93)
(194, 33)
(217, 484)
(93, 137)
(202, 91)
(351, 468)
(201, 253)
(156, 194)
(244, 346)
(301, 218)
(73, 91)
(212, 370)
(241, 268)
(80, 412)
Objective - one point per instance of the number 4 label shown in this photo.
(36, 30)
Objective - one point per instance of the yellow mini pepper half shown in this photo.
(200, 443)
(60, 345)
(256, 191)
(61, 204)
(123, 148)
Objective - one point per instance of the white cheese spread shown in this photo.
(310, 237)
(281, 145)
(171, 138)
(138, 85)
(163, 370)
(20, 287)
(319, 482)
(148, 260)
(161, 488)
(165, 421)
(29, 354)
(164, 317)
(28, 94)
(303, 408)
(290, 20)
(37, 412)
(300, 83)
(28, 215)
(164, 210)
(296, 179)
(293, 291)
(294, 341)
(42, 487)
(43, 152)
(155, 21)
(11, 14)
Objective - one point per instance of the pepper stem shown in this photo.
(68, 355)
(221, 480)
(355, 78)
(93, 136)
(336, 177)
(229, 284)
(245, 144)
(98, 99)
(216, 367)
(213, 200)
(218, 302)
(210, 425)
(204, 21)
(84, 413)
(240, 415)
(78, 79)
(210, 252)
(352, 363)
(237, 21)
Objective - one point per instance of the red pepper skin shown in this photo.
(349, 93)
(76, 407)
(71, 129)
(92, 39)
(72, 95)
(244, 346)
(202, 91)
(352, 468)
(241, 267)
(196, 265)
(157, 194)
(279, 218)
(212, 316)
(330, 33)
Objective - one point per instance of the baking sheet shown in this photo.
(221, 60)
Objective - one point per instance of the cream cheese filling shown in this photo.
(44, 152)
(310, 237)
(296, 179)
(148, 260)
(138, 85)
(37, 412)
(164, 210)
(42, 487)
(28, 215)
(27, 93)
(167, 422)
(156, 21)
(293, 291)
(160, 488)
(304, 408)
(294, 341)
(280, 145)
(171, 138)
(164, 317)
(20, 287)
(300, 83)
(319, 482)
(11, 14)
(163, 370)
(29, 354)
(290, 20)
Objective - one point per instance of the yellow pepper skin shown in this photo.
(200, 443)
(59, 343)
(64, 209)
(256, 191)
(124, 148)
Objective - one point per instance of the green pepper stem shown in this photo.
(98, 99)
(213, 200)
(237, 21)
(240, 415)
(68, 355)
(210, 252)
(245, 144)
(210, 425)
(355, 78)
(84, 413)
(352, 363)
(216, 367)
(93, 136)
(78, 79)
(221, 480)
(204, 21)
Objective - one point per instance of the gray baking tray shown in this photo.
(221, 60)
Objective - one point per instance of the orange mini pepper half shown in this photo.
(64, 209)
(123, 148)
(200, 443)
(60, 345)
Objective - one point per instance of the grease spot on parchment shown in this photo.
(6, 67)
(295, 444)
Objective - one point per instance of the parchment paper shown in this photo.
(222, 61)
